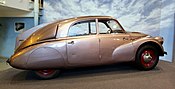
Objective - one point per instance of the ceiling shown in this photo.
(9, 9)
(14, 12)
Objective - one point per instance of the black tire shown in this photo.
(147, 57)
(46, 73)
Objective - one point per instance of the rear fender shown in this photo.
(45, 57)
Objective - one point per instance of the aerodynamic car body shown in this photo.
(83, 41)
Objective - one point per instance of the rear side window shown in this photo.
(83, 28)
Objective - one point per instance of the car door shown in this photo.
(113, 41)
(83, 44)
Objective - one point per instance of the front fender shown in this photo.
(123, 53)
(148, 41)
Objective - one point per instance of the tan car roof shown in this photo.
(84, 17)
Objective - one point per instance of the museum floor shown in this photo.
(121, 76)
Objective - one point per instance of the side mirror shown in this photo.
(109, 31)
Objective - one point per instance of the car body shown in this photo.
(84, 41)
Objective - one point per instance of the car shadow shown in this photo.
(99, 70)
(121, 70)
(115, 69)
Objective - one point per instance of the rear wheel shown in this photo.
(47, 73)
(147, 57)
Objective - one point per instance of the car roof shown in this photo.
(88, 17)
(84, 18)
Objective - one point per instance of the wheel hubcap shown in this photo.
(148, 58)
(46, 72)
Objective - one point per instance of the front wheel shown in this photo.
(147, 57)
(46, 73)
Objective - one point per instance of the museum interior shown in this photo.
(23, 18)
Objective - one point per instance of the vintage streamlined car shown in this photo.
(83, 41)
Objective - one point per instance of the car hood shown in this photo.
(137, 35)
(44, 33)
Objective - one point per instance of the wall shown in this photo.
(167, 27)
(134, 15)
(153, 17)
(8, 35)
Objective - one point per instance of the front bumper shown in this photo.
(165, 52)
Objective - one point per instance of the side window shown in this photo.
(109, 26)
(114, 25)
(93, 28)
(82, 28)
(103, 29)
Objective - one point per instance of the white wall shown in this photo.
(167, 27)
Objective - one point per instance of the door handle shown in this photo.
(125, 38)
(71, 42)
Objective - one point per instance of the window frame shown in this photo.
(97, 25)
(98, 20)
(89, 20)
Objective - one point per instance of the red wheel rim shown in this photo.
(148, 58)
(46, 72)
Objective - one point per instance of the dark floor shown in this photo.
(121, 76)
